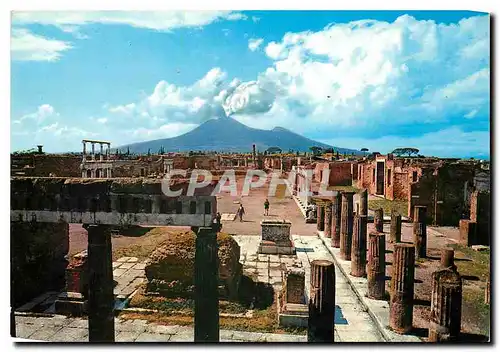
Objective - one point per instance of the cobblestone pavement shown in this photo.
(62, 329)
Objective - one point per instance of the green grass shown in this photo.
(343, 188)
(401, 206)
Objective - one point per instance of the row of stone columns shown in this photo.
(367, 256)
(101, 298)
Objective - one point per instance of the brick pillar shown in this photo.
(206, 305)
(378, 220)
(447, 258)
(320, 221)
(468, 230)
(101, 299)
(395, 236)
(446, 306)
(420, 231)
(346, 223)
(358, 250)
(321, 302)
(402, 288)
(363, 202)
(328, 220)
(336, 217)
(376, 265)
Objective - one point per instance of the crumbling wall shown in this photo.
(171, 271)
(42, 165)
(480, 213)
(38, 260)
(401, 186)
(340, 173)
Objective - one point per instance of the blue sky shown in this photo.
(375, 79)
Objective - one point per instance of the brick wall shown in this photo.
(401, 186)
(480, 213)
(340, 173)
(38, 260)
(44, 164)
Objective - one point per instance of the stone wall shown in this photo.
(401, 186)
(42, 165)
(38, 260)
(480, 213)
(340, 173)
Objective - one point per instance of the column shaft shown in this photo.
(336, 219)
(206, 307)
(101, 298)
(376, 265)
(328, 220)
(402, 288)
(321, 302)
(395, 236)
(378, 220)
(346, 225)
(358, 251)
(420, 231)
(363, 202)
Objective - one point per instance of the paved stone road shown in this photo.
(62, 329)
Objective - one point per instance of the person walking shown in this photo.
(241, 211)
(266, 207)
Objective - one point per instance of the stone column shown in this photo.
(378, 220)
(447, 258)
(376, 265)
(346, 224)
(363, 202)
(101, 299)
(358, 251)
(420, 231)
(336, 217)
(395, 236)
(321, 302)
(328, 220)
(468, 231)
(93, 152)
(320, 221)
(100, 154)
(206, 306)
(402, 288)
(84, 150)
(92, 173)
(446, 306)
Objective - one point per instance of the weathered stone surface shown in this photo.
(395, 228)
(420, 231)
(378, 220)
(328, 220)
(358, 251)
(294, 286)
(468, 232)
(336, 219)
(171, 269)
(321, 302)
(402, 288)
(446, 306)
(363, 202)
(38, 258)
(346, 225)
(376, 265)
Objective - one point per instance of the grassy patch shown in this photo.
(478, 265)
(401, 206)
(343, 188)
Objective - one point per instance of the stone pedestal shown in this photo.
(358, 250)
(276, 237)
(321, 302)
(447, 258)
(468, 232)
(336, 218)
(420, 231)
(206, 306)
(402, 288)
(363, 202)
(328, 220)
(346, 225)
(446, 306)
(101, 298)
(378, 220)
(395, 228)
(295, 286)
(73, 300)
(376, 265)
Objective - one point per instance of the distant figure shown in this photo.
(218, 224)
(266, 207)
(240, 212)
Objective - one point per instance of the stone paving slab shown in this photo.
(132, 331)
(378, 310)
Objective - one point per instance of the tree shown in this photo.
(316, 150)
(329, 150)
(128, 150)
(149, 151)
(364, 150)
(406, 150)
(274, 150)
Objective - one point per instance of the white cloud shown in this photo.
(26, 46)
(158, 20)
(367, 73)
(43, 113)
(253, 44)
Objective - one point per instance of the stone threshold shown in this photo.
(378, 310)
(248, 314)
